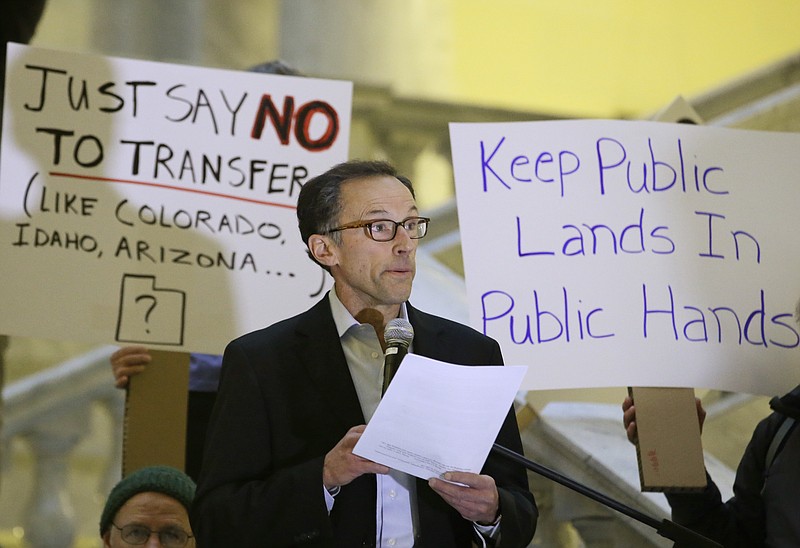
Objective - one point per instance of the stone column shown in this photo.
(50, 519)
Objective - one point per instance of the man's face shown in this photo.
(155, 511)
(372, 274)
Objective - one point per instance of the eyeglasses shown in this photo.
(384, 230)
(171, 537)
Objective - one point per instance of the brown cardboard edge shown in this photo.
(154, 424)
(695, 470)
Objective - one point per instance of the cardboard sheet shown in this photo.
(155, 413)
(669, 449)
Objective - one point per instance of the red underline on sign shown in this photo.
(167, 187)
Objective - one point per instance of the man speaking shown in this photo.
(294, 398)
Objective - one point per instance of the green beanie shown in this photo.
(159, 479)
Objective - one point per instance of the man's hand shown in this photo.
(128, 361)
(477, 500)
(342, 466)
(629, 417)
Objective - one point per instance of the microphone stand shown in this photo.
(683, 537)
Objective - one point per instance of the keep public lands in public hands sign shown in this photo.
(154, 203)
(613, 253)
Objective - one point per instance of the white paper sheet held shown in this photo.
(437, 417)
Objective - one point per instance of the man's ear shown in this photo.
(323, 249)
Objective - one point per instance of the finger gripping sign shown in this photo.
(612, 253)
(156, 202)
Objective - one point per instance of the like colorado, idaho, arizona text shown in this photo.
(144, 225)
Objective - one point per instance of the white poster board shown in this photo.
(612, 253)
(154, 203)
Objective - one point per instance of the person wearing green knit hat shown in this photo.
(149, 507)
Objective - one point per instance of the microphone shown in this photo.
(398, 336)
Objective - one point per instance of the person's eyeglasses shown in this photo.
(170, 537)
(384, 230)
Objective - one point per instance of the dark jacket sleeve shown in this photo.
(738, 522)
(244, 497)
(459, 344)
(517, 504)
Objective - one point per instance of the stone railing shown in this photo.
(51, 412)
(585, 442)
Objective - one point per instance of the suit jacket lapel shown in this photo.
(426, 335)
(322, 355)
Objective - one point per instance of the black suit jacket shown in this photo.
(286, 398)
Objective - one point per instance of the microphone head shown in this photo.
(398, 332)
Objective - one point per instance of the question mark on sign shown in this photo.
(149, 308)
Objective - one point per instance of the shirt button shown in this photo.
(391, 542)
(375, 355)
(392, 493)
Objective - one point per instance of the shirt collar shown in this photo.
(342, 317)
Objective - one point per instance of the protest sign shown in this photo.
(154, 203)
(614, 253)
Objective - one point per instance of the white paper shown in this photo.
(437, 417)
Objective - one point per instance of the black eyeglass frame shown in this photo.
(150, 533)
(367, 226)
